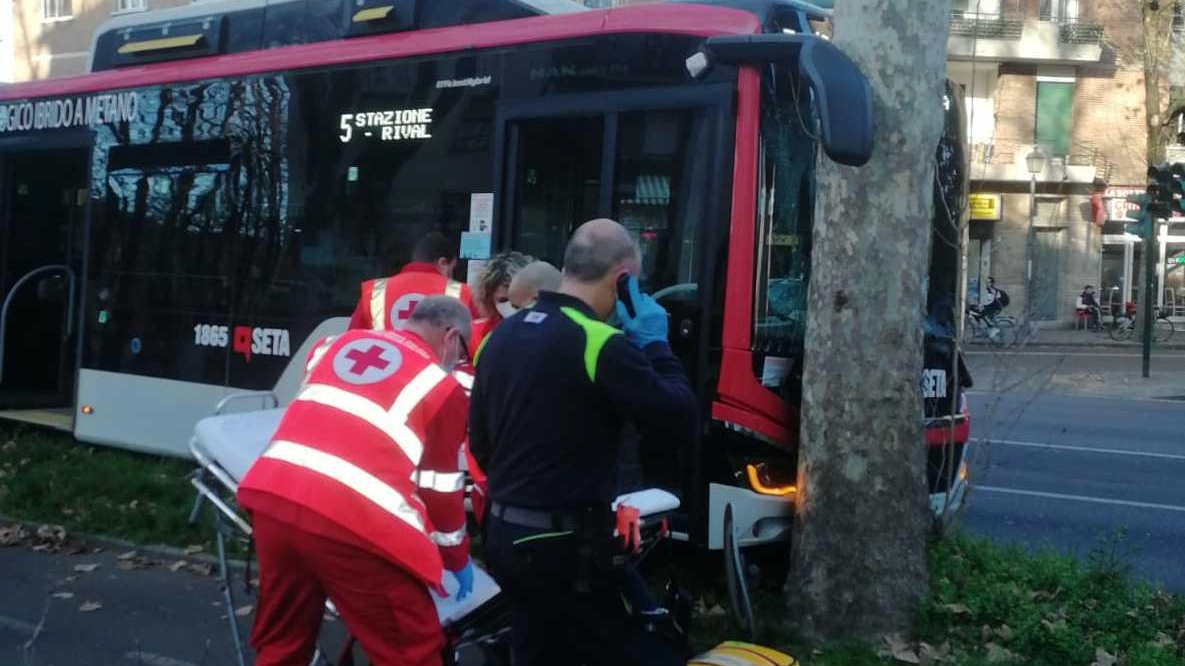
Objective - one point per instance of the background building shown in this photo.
(49, 38)
(1060, 82)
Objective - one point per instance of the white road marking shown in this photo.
(18, 626)
(1079, 498)
(155, 659)
(1084, 449)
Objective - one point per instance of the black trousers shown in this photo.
(553, 624)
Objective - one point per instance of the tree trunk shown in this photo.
(859, 547)
(1157, 26)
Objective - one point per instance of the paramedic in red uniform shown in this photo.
(359, 498)
(386, 303)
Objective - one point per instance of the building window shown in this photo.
(130, 6)
(1055, 101)
(56, 10)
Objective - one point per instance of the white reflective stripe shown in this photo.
(464, 379)
(453, 289)
(378, 305)
(350, 476)
(392, 423)
(420, 386)
(441, 482)
(318, 353)
(446, 539)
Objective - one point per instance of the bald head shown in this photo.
(598, 248)
(599, 252)
(532, 279)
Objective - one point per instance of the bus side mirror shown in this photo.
(842, 95)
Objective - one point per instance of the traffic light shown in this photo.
(1143, 217)
(1177, 171)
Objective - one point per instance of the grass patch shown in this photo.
(989, 605)
(992, 605)
(47, 477)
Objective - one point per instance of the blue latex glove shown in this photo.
(650, 323)
(464, 580)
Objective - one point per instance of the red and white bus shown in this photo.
(179, 223)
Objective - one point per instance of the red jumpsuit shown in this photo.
(387, 303)
(359, 499)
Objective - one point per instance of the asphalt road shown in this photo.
(1066, 462)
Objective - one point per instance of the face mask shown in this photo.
(505, 309)
(449, 365)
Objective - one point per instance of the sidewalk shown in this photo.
(1069, 337)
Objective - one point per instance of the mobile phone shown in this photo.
(623, 294)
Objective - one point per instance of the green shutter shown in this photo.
(1055, 107)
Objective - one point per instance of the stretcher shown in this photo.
(226, 445)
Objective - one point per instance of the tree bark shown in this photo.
(859, 547)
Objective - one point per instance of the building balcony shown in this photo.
(1012, 38)
(1004, 161)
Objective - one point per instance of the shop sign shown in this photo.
(985, 207)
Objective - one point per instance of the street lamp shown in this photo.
(1035, 161)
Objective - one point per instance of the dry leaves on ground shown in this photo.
(957, 609)
(63, 595)
(899, 650)
(996, 653)
(12, 535)
(1104, 658)
(85, 568)
(90, 606)
(178, 566)
(194, 550)
(244, 611)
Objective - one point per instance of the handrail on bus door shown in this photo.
(16, 287)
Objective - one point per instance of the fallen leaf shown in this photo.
(178, 566)
(193, 550)
(996, 653)
(1163, 640)
(133, 504)
(202, 569)
(63, 595)
(899, 650)
(23, 462)
(42, 548)
(55, 533)
(90, 606)
(244, 611)
(986, 633)
(8, 446)
(957, 609)
(1133, 613)
(1004, 632)
(12, 535)
(131, 554)
(85, 568)
(1104, 658)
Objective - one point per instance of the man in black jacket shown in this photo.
(554, 387)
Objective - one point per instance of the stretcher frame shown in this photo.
(211, 481)
(484, 628)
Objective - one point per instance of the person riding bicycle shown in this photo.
(996, 300)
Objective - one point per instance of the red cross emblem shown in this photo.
(402, 309)
(366, 361)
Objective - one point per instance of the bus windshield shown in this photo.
(785, 211)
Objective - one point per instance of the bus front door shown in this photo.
(41, 231)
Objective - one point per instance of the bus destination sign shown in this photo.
(395, 125)
(54, 114)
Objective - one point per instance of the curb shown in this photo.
(1072, 345)
(112, 543)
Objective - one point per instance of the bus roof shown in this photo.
(670, 18)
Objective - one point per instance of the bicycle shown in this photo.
(1125, 327)
(999, 331)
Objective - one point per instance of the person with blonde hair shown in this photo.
(493, 291)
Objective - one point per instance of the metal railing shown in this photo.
(1077, 31)
(69, 272)
(985, 26)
